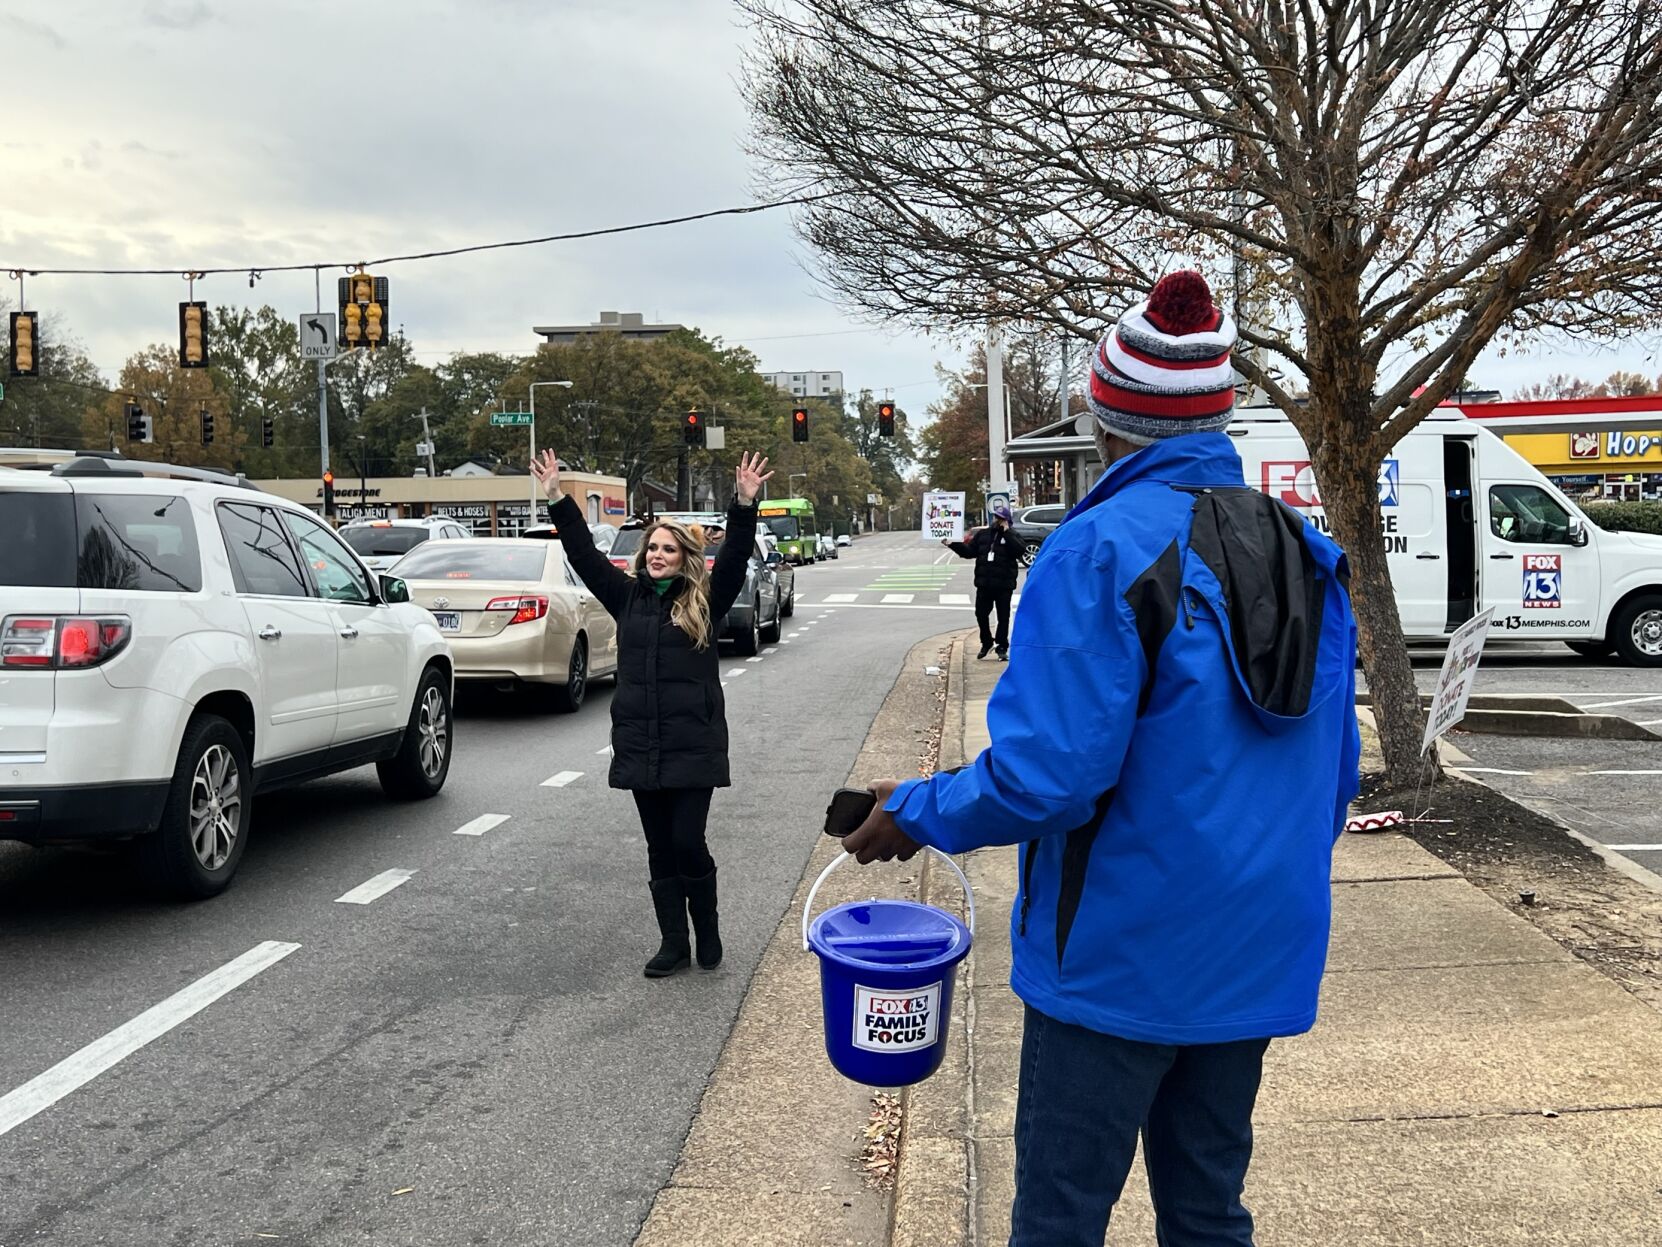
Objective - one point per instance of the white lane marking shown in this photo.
(1619, 772)
(561, 780)
(80, 1068)
(373, 889)
(1625, 848)
(899, 599)
(481, 825)
(1647, 722)
(784, 642)
(758, 658)
(604, 753)
(1626, 701)
(735, 673)
(771, 650)
(793, 634)
(939, 559)
(1487, 770)
(955, 599)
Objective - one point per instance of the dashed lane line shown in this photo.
(481, 825)
(80, 1068)
(897, 599)
(373, 889)
(561, 779)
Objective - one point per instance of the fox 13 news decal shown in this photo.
(1543, 581)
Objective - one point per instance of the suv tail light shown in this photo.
(526, 609)
(62, 642)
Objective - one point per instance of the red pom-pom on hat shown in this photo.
(1181, 303)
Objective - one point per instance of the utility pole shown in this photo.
(427, 437)
(996, 482)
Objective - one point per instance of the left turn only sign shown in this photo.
(317, 335)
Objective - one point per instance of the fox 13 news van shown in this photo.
(1468, 523)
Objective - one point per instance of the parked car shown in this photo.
(844, 539)
(515, 614)
(381, 543)
(173, 646)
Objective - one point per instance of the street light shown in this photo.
(535, 386)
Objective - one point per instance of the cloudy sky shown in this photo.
(179, 133)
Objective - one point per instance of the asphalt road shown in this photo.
(1610, 791)
(471, 1057)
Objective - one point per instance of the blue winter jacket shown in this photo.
(1175, 745)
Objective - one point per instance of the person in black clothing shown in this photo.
(669, 726)
(997, 552)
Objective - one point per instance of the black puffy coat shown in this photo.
(669, 719)
(1000, 571)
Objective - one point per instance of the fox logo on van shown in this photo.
(1543, 581)
(1293, 482)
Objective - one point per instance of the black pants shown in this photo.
(985, 600)
(673, 820)
(1083, 1099)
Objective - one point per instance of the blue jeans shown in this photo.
(1083, 1100)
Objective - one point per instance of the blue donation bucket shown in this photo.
(886, 971)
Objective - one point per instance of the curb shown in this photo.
(935, 1177)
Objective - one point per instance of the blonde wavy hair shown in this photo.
(691, 612)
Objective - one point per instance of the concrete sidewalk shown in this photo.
(1469, 1082)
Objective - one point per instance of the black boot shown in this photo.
(670, 902)
(701, 903)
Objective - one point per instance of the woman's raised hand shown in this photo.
(546, 468)
(752, 475)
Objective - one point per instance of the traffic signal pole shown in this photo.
(323, 429)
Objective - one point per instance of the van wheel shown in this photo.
(1592, 649)
(418, 770)
(1636, 631)
(204, 827)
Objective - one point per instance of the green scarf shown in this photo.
(661, 587)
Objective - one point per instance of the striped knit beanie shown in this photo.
(1164, 368)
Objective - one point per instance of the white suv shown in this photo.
(381, 543)
(170, 648)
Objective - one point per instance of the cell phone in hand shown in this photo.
(848, 809)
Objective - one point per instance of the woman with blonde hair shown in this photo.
(669, 725)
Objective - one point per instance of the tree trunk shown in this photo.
(1348, 475)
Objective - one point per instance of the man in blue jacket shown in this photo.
(1174, 746)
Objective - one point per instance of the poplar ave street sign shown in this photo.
(510, 417)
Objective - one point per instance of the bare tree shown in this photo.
(1390, 185)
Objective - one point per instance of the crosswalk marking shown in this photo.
(955, 599)
(843, 597)
(901, 598)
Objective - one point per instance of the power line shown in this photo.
(255, 270)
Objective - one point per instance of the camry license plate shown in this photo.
(449, 621)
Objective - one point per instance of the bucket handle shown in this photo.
(969, 896)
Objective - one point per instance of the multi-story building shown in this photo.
(806, 384)
(626, 324)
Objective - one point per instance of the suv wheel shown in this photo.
(789, 608)
(568, 697)
(1636, 631)
(770, 634)
(418, 770)
(204, 827)
(749, 642)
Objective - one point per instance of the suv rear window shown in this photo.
(143, 543)
(39, 535)
(370, 541)
(472, 560)
(628, 541)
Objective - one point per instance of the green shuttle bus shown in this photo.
(791, 520)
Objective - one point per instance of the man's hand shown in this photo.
(879, 838)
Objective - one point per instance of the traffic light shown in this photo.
(692, 432)
(363, 311)
(193, 335)
(268, 432)
(207, 427)
(139, 427)
(328, 493)
(885, 419)
(799, 424)
(24, 355)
